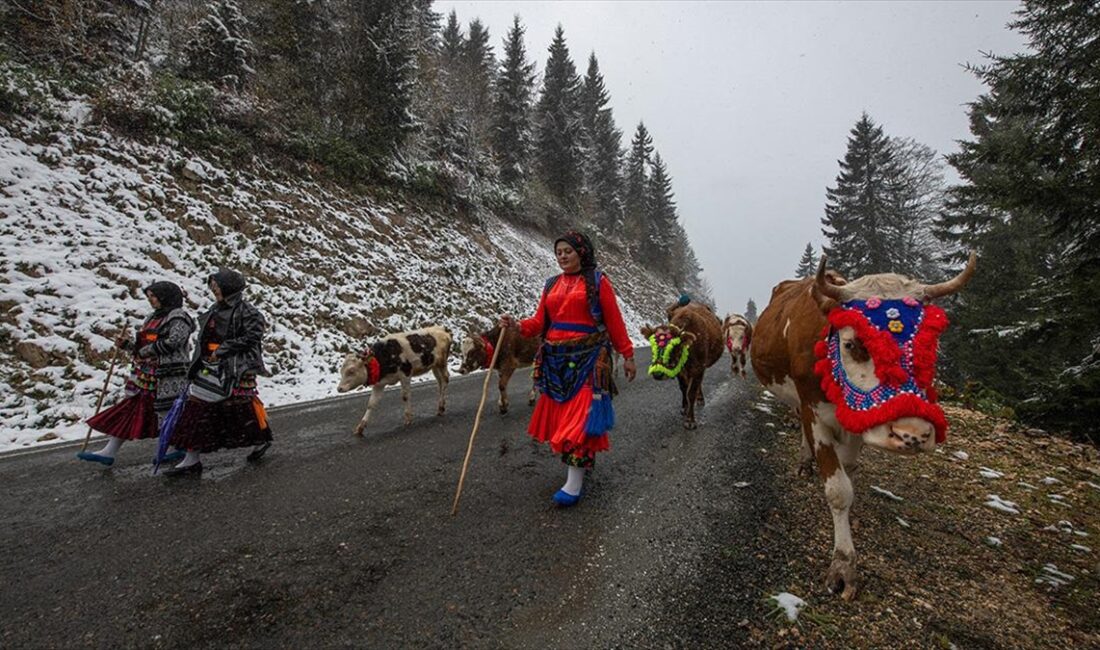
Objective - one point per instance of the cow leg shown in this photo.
(504, 375)
(683, 394)
(842, 575)
(375, 395)
(441, 380)
(692, 395)
(406, 393)
(806, 456)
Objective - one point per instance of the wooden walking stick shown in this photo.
(477, 419)
(102, 393)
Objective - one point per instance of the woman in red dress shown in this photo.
(578, 317)
(161, 352)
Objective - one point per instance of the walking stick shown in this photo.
(477, 420)
(102, 394)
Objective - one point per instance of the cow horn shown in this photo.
(933, 291)
(823, 286)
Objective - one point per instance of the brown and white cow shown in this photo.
(738, 334)
(515, 352)
(684, 348)
(398, 358)
(857, 362)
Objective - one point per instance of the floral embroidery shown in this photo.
(896, 326)
(874, 302)
(893, 312)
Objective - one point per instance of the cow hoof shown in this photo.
(359, 431)
(690, 424)
(504, 410)
(441, 411)
(843, 578)
(806, 469)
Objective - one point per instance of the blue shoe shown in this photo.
(566, 500)
(96, 458)
(173, 456)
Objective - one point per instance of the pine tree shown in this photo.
(1028, 206)
(662, 244)
(603, 157)
(512, 108)
(452, 44)
(477, 82)
(635, 203)
(750, 311)
(807, 266)
(383, 76)
(219, 50)
(861, 207)
(559, 150)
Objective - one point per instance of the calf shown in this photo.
(856, 361)
(684, 348)
(397, 358)
(515, 352)
(738, 334)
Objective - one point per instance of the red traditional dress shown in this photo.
(134, 418)
(562, 424)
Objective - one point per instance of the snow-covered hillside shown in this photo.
(88, 218)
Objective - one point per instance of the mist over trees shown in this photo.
(387, 94)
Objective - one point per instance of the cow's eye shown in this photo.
(848, 346)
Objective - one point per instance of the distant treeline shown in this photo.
(386, 93)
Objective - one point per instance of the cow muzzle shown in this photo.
(910, 436)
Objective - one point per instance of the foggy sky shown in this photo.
(750, 104)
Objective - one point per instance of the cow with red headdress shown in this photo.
(516, 351)
(856, 361)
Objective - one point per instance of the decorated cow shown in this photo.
(857, 362)
(515, 352)
(738, 334)
(684, 347)
(398, 358)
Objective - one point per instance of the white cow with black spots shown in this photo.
(398, 358)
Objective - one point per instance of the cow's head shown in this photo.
(359, 369)
(670, 346)
(877, 356)
(476, 353)
(738, 332)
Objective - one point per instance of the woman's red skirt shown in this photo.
(562, 424)
(131, 419)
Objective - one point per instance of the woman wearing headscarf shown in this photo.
(578, 317)
(229, 353)
(161, 352)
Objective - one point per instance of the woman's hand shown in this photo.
(630, 369)
(507, 322)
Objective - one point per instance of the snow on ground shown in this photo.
(990, 473)
(997, 503)
(886, 493)
(789, 604)
(961, 455)
(87, 219)
(1050, 575)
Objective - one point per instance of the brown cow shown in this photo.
(737, 331)
(857, 362)
(684, 348)
(515, 352)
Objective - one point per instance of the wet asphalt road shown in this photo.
(340, 541)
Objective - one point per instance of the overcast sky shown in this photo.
(750, 104)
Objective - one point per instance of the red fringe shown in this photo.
(884, 350)
(886, 354)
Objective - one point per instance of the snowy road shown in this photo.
(335, 540)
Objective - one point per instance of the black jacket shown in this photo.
(241, 329)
